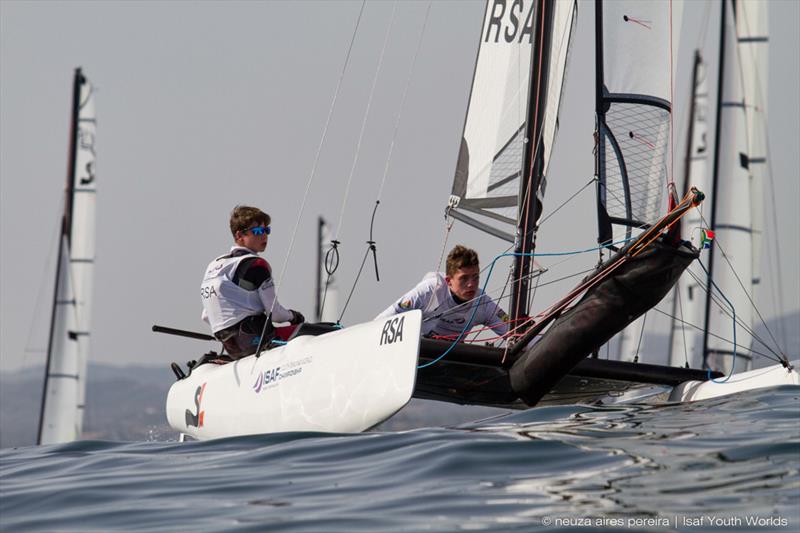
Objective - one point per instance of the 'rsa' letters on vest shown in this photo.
(392, 330)
(207, 291)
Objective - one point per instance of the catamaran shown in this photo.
(64, 390)
(353, 378)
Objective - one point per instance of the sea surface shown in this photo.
(729, 464)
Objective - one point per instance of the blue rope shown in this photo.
(486, 283)
(733, 310)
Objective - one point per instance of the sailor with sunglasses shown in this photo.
(238, 292)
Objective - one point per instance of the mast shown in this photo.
(63, 395)
(530, 206)
(731, 260)
(66, 228)
(715, 175)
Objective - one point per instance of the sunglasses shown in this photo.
(259, 230)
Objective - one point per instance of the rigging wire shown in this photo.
(364, 121)
(592, 180)
(747, 328)
(679, 297)
(771, 357)
(336, 242)
(47, 267)
(641, 335)
(315, 165)
(371, 244)
(733, 310)
(774, 212)
(741, 285)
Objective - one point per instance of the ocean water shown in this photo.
(729, 464)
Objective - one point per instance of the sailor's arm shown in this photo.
(416, 298)
(271, 304)
(495, 317)
(257, 273)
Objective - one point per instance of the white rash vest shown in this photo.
(442, 315)
(225, 303)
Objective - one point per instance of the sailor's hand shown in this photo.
(297, 318)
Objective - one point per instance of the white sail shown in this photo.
(636, 46)
(62, 383)
(68, 352)
(502, 113)
(752, 36)
(635, 49)
(732, 264)
(689, 310)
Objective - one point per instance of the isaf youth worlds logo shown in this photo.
(271, 377)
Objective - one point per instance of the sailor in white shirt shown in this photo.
(237, 290)
(449, 300)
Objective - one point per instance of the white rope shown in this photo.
(316, 157)
(403, 101)
(364, 122)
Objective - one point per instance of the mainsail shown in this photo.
(689, 296)
(63, 396)
(752, 44)
(731, 259)
(633, 107)
(512, 120)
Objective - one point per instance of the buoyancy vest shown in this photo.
(224, 302)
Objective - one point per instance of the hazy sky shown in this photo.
(205, 105)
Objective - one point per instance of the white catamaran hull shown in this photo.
(772, 376)
(344, 381)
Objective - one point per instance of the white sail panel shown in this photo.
(492, 154)
(68, 353)
(687, 342)
(752, 30)
(61, 395)
(82, 235)
(732, 267)
(564, 20)
(638, 46)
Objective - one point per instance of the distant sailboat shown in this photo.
(64, 391)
